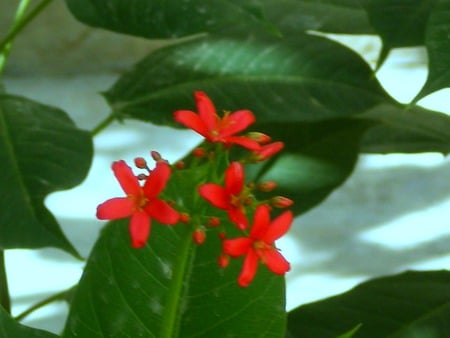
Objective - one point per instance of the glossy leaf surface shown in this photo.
(412, 304)
(41, 151)
(166, 19)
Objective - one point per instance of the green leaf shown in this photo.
(172, 287)
(159, 19)
(412, 304)
(406, 129)
(41, 151)
(400, 23)
(298, 79)
(9, 328)
(334, 16)
(438, 44)
(318, 157)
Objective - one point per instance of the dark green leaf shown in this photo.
(172, 287)
(400, 23)
(318, 157)
(41, 151)
(9, 328)
(438, 45)
(296, 16)
(298, 79)
(406, 129)
(157, 19)
(412, 304)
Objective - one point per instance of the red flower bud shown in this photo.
(198, 236)
(185, 217)
(281, 202)
(156, 156)
(222, 235)
(179, 165)
(223, 260)
(199, 152)
(267, 186)
(213, 221)
(140, 163)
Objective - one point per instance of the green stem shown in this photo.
(57, 297)
(103, 124)
(169, 325)
(20, 22)
(5, 301)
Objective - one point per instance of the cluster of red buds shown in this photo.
(223, 188)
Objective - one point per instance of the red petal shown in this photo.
(269, 150)
(215, 195)
(191, 120)
(206, 110)
(157, 180)
(162, 212)
(236, 122)
(115, 208)
(238, 217)
(243, 142)
(261, 221)
(139, 229)
(126, 178)
(237, 247)
(275, 261)
(278, 227)
(249, 268)
(234, 178)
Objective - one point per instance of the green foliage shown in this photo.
(317, 96)
(412, 304)
(41, 151)
(170, 288)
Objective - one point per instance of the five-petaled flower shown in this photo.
(214, 128)
(141, 203)
(259, 245)
(232, 197)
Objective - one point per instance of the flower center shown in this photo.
(139, 201)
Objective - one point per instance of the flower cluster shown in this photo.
(232, 205)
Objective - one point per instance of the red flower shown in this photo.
(215, 129)
(232, 197)
(141, 203)
(260, 245)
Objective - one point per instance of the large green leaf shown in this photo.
(412, 304)
(170, 288)
(158, 19)
(438, 45)
(9, 328)
(407, 130)
(298, 79)
(41, 151)
(400, 23)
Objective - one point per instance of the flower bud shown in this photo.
(156, 156)
(179, 165)
(281, 202)
(198, 236)
(140, 163)
(142, 177)
(185, 217)
(199, 152)
(267, 186)
(213, 221)
(259, 137)
(223, 260)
